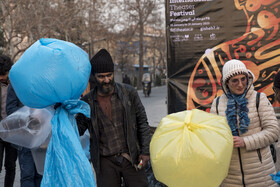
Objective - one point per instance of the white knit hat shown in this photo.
(232, 68)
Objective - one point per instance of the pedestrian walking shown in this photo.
(126, 79)
(253, 128)
(29, 177)
(6, 147)
(119, 131)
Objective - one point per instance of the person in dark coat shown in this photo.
(276, 86)
(8, 148)
(126, 79)
(118, 127)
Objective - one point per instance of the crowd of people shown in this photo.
(120, 134)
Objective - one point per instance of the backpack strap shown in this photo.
(272, 148)
(258, 101)
(257, 106)
(217, 104)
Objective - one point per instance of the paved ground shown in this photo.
(155, 105)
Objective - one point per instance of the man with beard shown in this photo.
(118, 126)
(10, 151)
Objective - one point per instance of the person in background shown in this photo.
(147, 84)
(276, 89)
(8, 148)
(276, 86)
(118, 127)
(29, 176)
(126, 79)
(253, 129)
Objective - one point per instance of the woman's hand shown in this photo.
(238, 141)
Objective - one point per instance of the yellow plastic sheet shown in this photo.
(191, 149)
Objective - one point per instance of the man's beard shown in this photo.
(105, 90)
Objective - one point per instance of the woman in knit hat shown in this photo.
(253, 128)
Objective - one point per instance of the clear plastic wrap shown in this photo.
(39, 155)
(85, 143)
(27, 127)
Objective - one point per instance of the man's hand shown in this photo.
(238, 141)
(144, 158)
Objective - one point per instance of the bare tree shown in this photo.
(87, 23)
(157, 47)
(26, 21)
(7, 22)
(141, 13)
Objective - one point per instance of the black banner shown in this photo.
(203, 34)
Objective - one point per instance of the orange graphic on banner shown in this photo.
(258, 48)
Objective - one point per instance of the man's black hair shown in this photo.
(5, 64)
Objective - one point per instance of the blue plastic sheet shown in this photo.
(276, 177)
(54, 71)
(66, 163)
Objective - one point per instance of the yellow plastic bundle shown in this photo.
(191, 148)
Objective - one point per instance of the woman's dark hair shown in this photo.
(5, 64)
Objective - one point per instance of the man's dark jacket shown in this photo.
(137, 131)
(13, 103)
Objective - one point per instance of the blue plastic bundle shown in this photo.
(53, 71)
(50, 71)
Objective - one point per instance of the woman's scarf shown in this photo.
(239, 103)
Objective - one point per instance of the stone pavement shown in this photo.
(155, 105)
